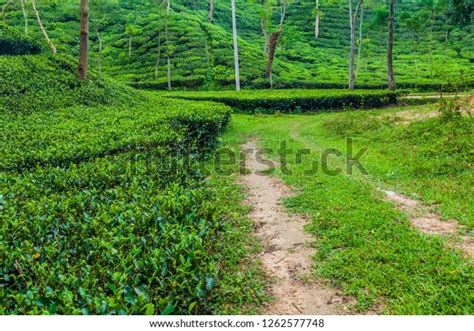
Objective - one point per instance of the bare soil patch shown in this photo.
(428, 222)
(287, 255)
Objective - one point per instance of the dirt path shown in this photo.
(428, 222)
(287, 247)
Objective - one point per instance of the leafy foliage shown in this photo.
(13, 42)
(293, 101)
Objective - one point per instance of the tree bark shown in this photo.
(4, 10)
(271, 52)
(352, 24)
(390, 74)
(40, 24)
(316, 20)
(210, 16)
(168, 58)
(236, 47)
(99, 58)
(84, 41)
(359, 49)
(273, 42)
(25, 15)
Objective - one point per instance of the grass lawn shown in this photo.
(364, 244)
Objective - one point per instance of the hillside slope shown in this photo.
(428, 49)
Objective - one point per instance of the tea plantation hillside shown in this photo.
(430, 48)
(104, 206)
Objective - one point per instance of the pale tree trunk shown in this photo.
(40, 24)
(316, 20)
(130, 39)
(84, 41)
(359, 50)
(236, 47)
(265, 36)
(390, 74)
(99, 59)
(25, 15)
(101, 42)
(211, 11)
(168, 59)
(4, 10)
(158, 55)
(352, 23)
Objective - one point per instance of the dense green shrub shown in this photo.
(293, 101)
(102, 212)
(36, 82)
(13, 42)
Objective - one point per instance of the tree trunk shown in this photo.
(359, 50)
(271, 53)
(391, 78)
(273, 42)
(352, 48)
(265, 37)
(25, 15)
(316, 20)
(99, 58)
(211, 11)
(352, 24)
(236, 48)
(84, 41)
(40, 24)
(168, 59)
(158, 55)
(4, 10)
(130, 39)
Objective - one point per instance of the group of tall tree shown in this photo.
(457, 11)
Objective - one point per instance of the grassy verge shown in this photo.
(364, 244)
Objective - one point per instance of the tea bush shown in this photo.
(13, 42)
(293, 101)
(104, 209)
(106, 215)
(30, 83)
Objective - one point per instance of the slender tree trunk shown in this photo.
(352, 48)
(130, 39)
(271, 54)
(265, 37)
(316, 20)
(391, 77)
(359, 49)
(158, 55)
(211, 11)
(25, 15)
(99, 58)
(4, 10)
(236, 47)
(168, 59)
(273, 42)
(352, 24)
(40, 24)
(84, 41)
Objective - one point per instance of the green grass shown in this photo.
(364, 244)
